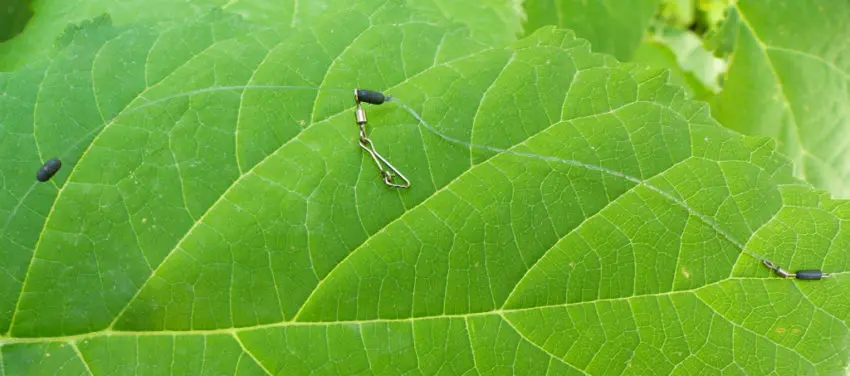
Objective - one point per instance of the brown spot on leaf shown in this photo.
(780, 330)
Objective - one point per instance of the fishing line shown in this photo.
(389, 172)
(801, 274)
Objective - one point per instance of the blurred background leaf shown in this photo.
(612, 27)
(788, 78)
(14, 15)
(684, 53)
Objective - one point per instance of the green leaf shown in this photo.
(788, 79)
(610, 225)
(613, 27)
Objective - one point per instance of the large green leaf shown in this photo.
(613, 27)
(788, 79)
(610, 226)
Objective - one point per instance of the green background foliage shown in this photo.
(613, 27)
(788, 80)
(613, 226)
(14, 15)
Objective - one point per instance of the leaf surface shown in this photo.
(788, 79)
(610, 226)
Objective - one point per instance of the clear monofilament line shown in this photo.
(547, 158)
(231, 88)
(431, 129)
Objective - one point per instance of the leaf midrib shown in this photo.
(284, 324)
(447, 186)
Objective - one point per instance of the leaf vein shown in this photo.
(250, 354)
(762, 336)
(535, 345)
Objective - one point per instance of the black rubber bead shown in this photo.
(49, 169)
(369, 96)
(809, 274)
